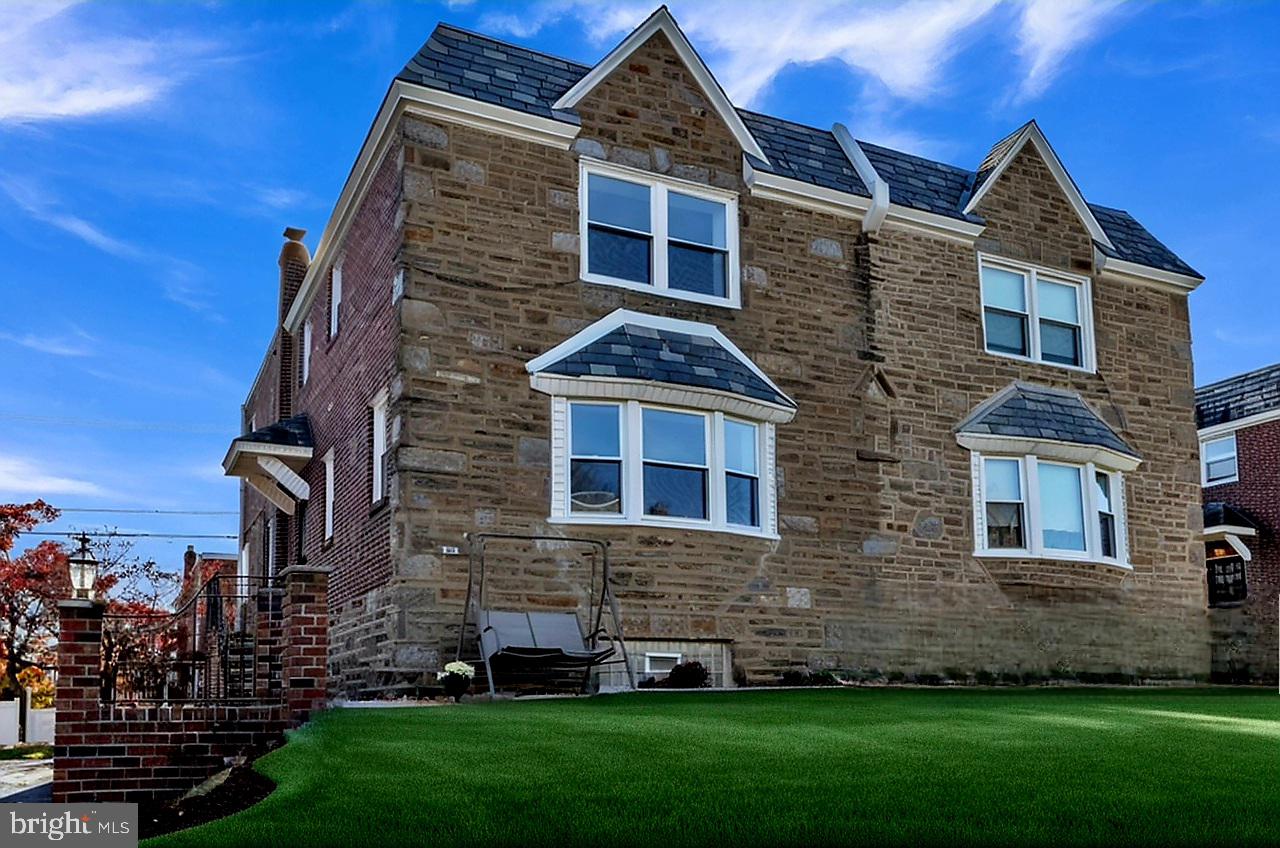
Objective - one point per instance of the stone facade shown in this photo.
(1245, 638)
(877, 338)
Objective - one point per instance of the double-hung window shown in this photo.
(329, 495)
(378, 448)
(305, 356)
(1034, 507)
(1039, 315)
(335, 299)
(1218, 461)
(632, 463)
(650, 233)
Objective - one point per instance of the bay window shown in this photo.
(647, 232)
(1029, 313)
(630, 462)
(1028, 506)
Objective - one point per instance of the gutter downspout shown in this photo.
(879, 189)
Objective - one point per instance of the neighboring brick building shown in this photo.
(1239, 420)
(830, 404)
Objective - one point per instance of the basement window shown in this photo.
(1037, 315)
(649, 233)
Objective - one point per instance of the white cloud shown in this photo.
(1050, 31)
(53, 66)
(22, 477)
(280, 197)
(905, 47)
(76, 343)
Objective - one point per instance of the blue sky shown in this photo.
(151, 155)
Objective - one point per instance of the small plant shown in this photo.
(690, 675)
(456, 679)
(805, 677)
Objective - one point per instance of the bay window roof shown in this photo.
(1024, 417)
(630, 347)
(271, 459)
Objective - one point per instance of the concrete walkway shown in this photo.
(20, 779)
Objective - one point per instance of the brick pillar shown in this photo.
(268, 630)
(306, 639)
(79, 693)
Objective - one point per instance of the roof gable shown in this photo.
(1004, 152)
(661, 21)
(626, 345)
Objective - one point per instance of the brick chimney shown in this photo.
(294, 261)
(188, 562)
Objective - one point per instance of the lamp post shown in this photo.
(84, 569)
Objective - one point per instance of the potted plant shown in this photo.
(456, 679)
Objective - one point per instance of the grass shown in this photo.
(817, 767)
(37, 751)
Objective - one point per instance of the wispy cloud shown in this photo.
(25, 478)
(1050, 31)
(1236, 338)
(905, 47)
(279, 198)
(53, 66)
(76, 343)
(180, 280)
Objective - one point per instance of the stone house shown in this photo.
(1239, 420)
(830, 404)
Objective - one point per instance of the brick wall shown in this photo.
(1245, 638)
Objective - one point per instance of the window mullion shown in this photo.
(633, 462)
(1031, 499)
(658, 223)
(1033, 315)
(717, 496)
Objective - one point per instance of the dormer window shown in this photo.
(1029, 313)
(650, 233)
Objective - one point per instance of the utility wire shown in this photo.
(114, 425)
(74, 533)
(152, 511)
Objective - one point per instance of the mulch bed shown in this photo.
(243, 788)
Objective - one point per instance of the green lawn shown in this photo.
(818, 767)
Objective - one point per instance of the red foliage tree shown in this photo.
(30, 587)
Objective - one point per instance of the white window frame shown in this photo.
(659, 186)
(631, 436)
(1033, 274)
(335, 299)
(306, 352)
(379, 425)
(270, 564)
(328, 495)
(1204, 461)
(666, 655)
(1033, 523)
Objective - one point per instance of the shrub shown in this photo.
(690, 675)
(805, 677)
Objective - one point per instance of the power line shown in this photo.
(114, 424)
(74, 533)
(152, 511)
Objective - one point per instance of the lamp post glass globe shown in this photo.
(84, 569)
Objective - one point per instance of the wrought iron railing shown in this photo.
(223, 643)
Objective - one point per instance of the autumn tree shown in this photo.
(30, 586)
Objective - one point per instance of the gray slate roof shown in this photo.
(642, 353)
(1024, 410)
(1238, 397)
(472, 65)
(1217, 513)
(292, 432)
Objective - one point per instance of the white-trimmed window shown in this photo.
(1029, 313)
(1218, 461)
(650, 233)
(1027, 506)
(328, 495)
(335, 299)
(378, 447)
(630, 462)
(305, 370)
(271, 548)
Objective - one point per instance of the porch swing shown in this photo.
(535, 649)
